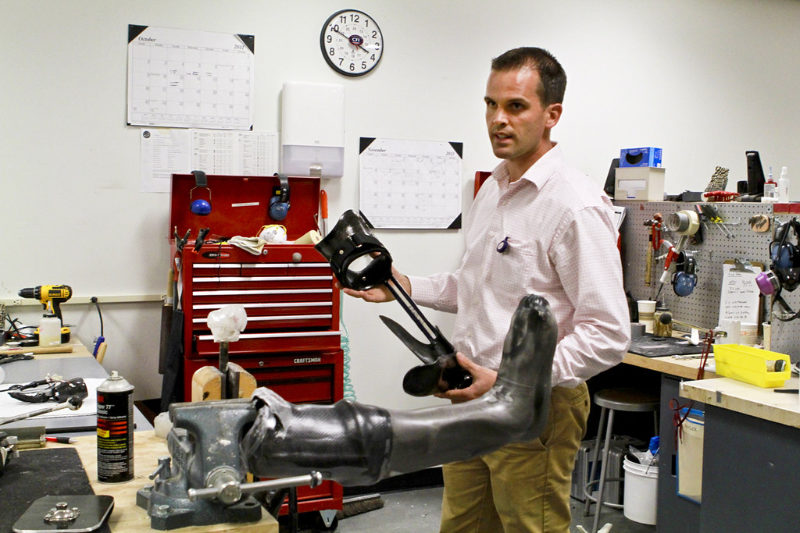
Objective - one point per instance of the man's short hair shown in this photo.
(553, 79)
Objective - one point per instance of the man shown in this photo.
(537, 226)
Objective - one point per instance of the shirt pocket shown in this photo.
(513, 268)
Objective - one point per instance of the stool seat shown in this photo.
(629, 400)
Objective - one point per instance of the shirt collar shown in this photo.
(538, 174)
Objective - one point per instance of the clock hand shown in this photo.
(350, 40)
(342, 34)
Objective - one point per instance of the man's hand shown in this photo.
(482, 380)
(380, 293)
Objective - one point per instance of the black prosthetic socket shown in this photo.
(349, 241)
(348, 442)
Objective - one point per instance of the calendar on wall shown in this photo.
(410, 184)
(191, 79)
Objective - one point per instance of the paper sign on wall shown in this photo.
(740, 297)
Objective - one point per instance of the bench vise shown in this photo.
(203, 481)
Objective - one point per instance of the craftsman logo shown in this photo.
(304, 360)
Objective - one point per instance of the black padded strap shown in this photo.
(200, 178)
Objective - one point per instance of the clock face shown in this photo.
(351, 42)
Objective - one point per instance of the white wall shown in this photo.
(703, 79)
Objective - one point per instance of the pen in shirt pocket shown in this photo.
(503, 245)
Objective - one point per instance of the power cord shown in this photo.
(101, 339)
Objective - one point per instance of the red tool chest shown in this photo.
(292, 342)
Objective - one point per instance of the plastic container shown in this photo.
(641, 488)
(752, 365)
(647, 310)
(690, 456)
(783, 186)
(49, 331)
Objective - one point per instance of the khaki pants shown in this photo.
(522, 487)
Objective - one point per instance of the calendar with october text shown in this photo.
(188, 78)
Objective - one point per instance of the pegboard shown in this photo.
(701, 308)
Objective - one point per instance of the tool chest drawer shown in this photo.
(289, 294)
(300, 377)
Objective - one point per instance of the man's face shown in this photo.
(515, 117)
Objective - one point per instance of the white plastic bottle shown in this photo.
(783, 186)
(49, 331)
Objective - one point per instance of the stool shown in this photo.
(612, 400)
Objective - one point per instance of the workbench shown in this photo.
(76, 361)
(751, 456)
(751, 452)
(127, 516)
(670, 365)
(672, 372)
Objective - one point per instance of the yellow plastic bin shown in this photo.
(752, 365)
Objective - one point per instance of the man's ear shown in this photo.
(553, 113)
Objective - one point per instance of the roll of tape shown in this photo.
(637, 330)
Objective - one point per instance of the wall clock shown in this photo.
(351, 42)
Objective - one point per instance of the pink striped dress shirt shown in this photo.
(561, 245)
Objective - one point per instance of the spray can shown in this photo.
(115, 430)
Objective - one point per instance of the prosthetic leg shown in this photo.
(350, 244)
(357, 444)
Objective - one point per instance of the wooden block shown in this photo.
(206, 384)
(101, 352)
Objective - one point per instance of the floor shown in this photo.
(419, 511)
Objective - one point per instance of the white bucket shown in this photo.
(641, 487)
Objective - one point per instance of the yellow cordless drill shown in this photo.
(51, 296)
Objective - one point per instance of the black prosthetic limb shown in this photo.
(349, 245)
(358, 444)
(346, 441)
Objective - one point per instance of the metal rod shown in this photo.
(313, 480)
(38, 412)
(223, 367)
(411, 308)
